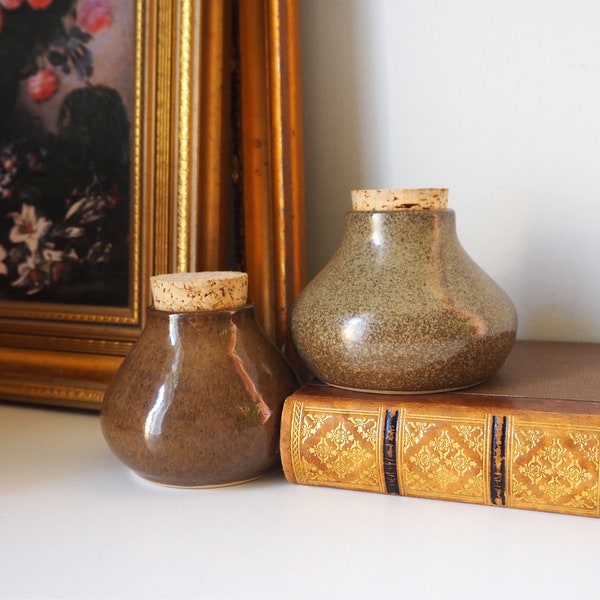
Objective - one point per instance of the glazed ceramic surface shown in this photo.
(401, 307)
(198, 400)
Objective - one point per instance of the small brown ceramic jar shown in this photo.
(197, 402)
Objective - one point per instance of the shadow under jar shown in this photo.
(197, 402)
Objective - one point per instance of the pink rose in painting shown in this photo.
(42, 85)
(10, 4)
(95, 15)
(39, 4)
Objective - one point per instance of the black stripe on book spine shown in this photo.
(498, 461)
(390, 466)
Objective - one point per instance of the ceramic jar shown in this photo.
(401, 307)
(197, 402)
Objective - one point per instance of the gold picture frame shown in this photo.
(216, 108)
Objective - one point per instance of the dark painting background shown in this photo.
(66, 86)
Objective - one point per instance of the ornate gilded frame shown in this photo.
(195, 115)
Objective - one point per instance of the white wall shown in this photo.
(498, 101)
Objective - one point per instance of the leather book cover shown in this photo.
(527, 438)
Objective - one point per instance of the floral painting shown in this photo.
(66, 73)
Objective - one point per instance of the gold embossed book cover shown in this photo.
(527, 438)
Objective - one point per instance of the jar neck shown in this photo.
(380, 229)
(213, 318)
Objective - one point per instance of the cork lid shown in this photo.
(206, 290)
(400, 199)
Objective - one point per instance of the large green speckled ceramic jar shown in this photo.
(401, 307)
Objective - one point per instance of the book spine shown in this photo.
(539, 461)
(390, 452)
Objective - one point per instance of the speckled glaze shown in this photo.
(402, 308)
(197, 402)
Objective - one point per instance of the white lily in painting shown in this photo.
(28, 228)
(26, 272)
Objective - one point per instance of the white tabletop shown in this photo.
(76, 523)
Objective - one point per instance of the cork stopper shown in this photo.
(207, 290)
(400, 199)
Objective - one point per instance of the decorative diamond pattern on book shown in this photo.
(443, 457)
(554, 466)
(337, 446)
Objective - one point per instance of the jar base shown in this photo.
(196, 487)
(405, 392)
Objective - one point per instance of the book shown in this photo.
(527, 438)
